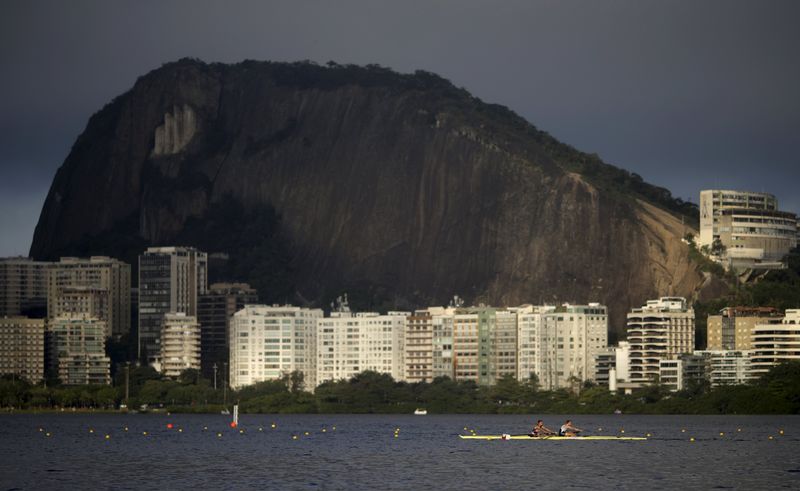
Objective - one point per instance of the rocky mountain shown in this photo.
(402, 190)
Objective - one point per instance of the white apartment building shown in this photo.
(348, 344)
(776, 343)
(660, 330)
(98, 286)
(622, 365)
(749, 225)
(530, 340)
(728, 367)
(676, 373)
(714, 201)
(170, 280)
(268, 342)
(180, 344)
(572, 335)
(560, 344)
(619, 375)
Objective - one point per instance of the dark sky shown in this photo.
(688, 94)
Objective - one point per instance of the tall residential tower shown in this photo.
(170, 280)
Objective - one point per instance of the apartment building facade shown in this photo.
(180, 344)
(348, 344)
(269, 342)
(170, 280)
(22, 347)
(23, 286)
(773, 343)
(660, 330)
(215, 309)
(98, 286)
(77, 349)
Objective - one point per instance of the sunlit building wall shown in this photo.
(270, 342)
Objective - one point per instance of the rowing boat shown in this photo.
(527, 437)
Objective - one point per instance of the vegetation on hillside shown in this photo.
(777, 392)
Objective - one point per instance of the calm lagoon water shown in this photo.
(363, 453)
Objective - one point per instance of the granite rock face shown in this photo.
(400, 186)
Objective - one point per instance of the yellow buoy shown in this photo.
(273, 425)
(41, 430)
(333, 428)
(739, 430)
(683, 430)
(260, 429)
(465, 428)
(649, 435)
(599, 429)
(108, 437)
(306, 433)
(781, 432)
(47, 434)
(294, 437)
(91, 430)
(125, 429)
(241, 432)
(622, 431)
(770, 437)
(205, 428)
(144, 433)
(721, 433)
(219, 435)
(691, 439)
(324, 430)
(180, 430)
(395, 435)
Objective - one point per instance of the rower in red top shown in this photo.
(541, 430)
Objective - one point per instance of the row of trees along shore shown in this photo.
(777, 392)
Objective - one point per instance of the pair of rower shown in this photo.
(567, 429)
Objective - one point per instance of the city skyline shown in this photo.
(701, 110)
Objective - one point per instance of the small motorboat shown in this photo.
(420, 412)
